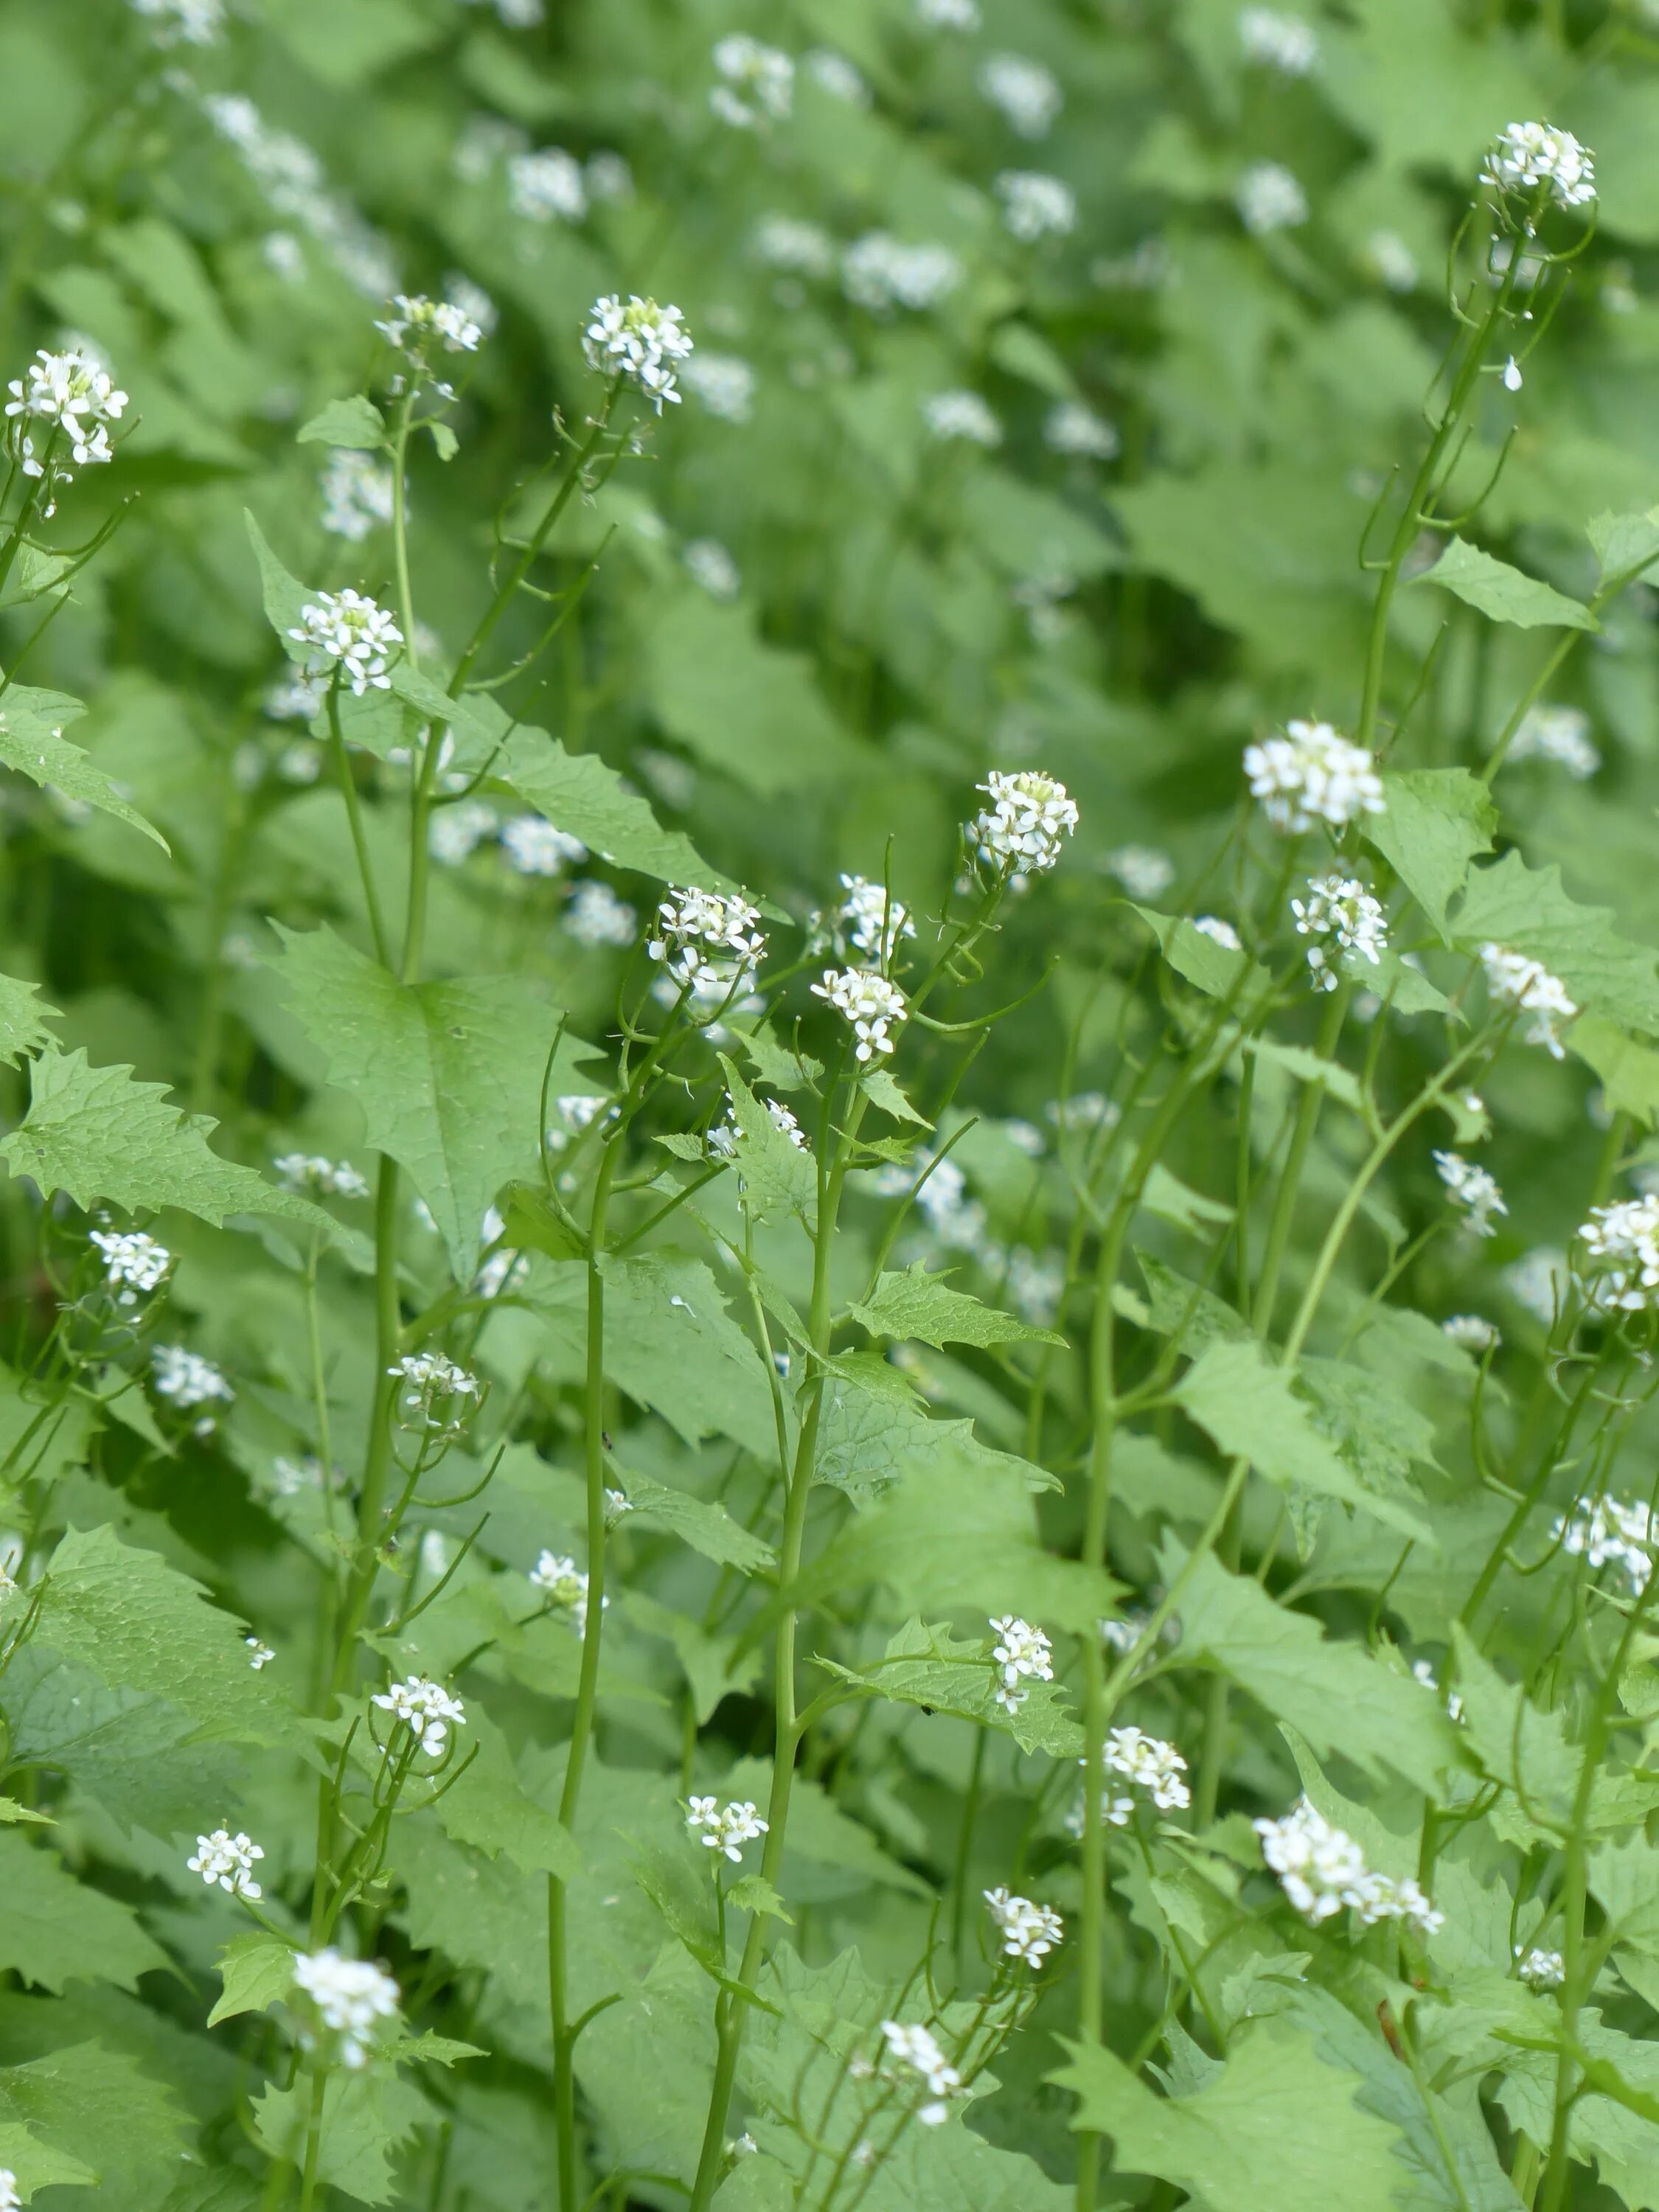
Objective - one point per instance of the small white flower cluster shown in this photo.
(344, 631)
(1023, 830)
(1340, 907)
(259, 1655)
(1143, 871)
(834, 73)
(1150, 1764)
(961, 418)
(1528, 986)
(1073, 429)
(426, 1709)
(1026, 94)
(941, 1197)
(1268, 197)
(1528, 155)
(351, 1995)
(414, 324)
(1036, 205)
(1471, 1332)
(1312, 774)
(186, 1379)
(134, 1264)
(1560, 735)
(917, 2049)
(1028, 1932)
(784, 241)
(1623, 1239)
(358, 495)
(182, 22)
(1218, 931)
(641, 341)
(311, 1172)
(533, 847)
(1323, 1871)
(595, 916)
(880, 273)
(708, 941)
(1284, 43)
(871, 1004)
(724, 382)
(9, 2199)
(1472, 1187)
(874, 921)
(288, 172)
(1539, 1969)
(435, 1391)
(563, 1583)
(727, 1138)
(229, 1861)
(724, 1827)
(757, 86)
(1612, 1531)
(1020, 1651)
(78, 397)
(546, 185)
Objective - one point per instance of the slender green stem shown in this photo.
(359, 839)
(313, 2137)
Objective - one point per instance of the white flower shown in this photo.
(1612, 1531)
(132, 1261)
(1323, 1871)
(879, 272)
(1393, 260)
(182, 22)
(412, 323)
(706, 936)
(872, 1004)
(948, 15)
(295, 698)
(9, 2200)
(1115, 1812)
(609, 180)
(1219, 932)
(577, 1110)
(1150, 1764)
(1341, 908)
(640, 341)
(595, 916)
(1036, 1283)
(1023, 830)
(916, 2048)
(546, 186)
(1029, 1931)
(1020, 1651)
(1471, 1332)
(1036, 205)
(874, 923)
(758, 85)
(616, 1503)
(1143, 871)
(834, 73)
(1623, 1240)
(472, 302)
(345, 631)
(725, 383)
(1528, 155)
(1083, 1109)
(724, 1827)
(727, 1139)
(1558, 734)
(1071, 427)
(1268, 197)
(961, 417)
(435, 1390)
(1541, 1970)
(561, 1581)
(1512, 375)
(1284, 43)
(1472, 1189)
(350, 1995)
(1528, 986)
(426, 1708)
(708, 563)
(75, 393)
(310, 1171)
(229, 1861)
(358, 495)
(187, 1379)
(783, 241)
(455, 833)
(1028, 95)
(534, 848)
(1537, 1281)
(259, 1655)
(1312, 774)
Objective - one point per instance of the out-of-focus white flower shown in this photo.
(345, 631)
(546, 185)
(310, 1172)
(1340, 909)
(784, 241)
(533, 847)
(1024, 828)
(595, 916)
(724, 1828)
(725, 383)
(426, 1709)
(1312, 774)
(1219, 932)
(757, 86)
(1083, 1109)
(1284, 43)
(916, 2049)
(358, 494)
(1622, 1243)
(880, 273)
(1323, 1871)
(871, 1005)
(1471, 1332)
(1539, 1969)
(961, 417)
(296, 698)
(609, 180)
(1036, 205)
(948, 15)
(1020, 1651)
(834, 73)
(351, 1995)
(1538, 1282)
(1612, 1531)
(1027, 95)
(1149, 1764)
(1531, 155)
(874, 921)
(708, 563)
(454, 833)
(1143, 871)
(134, 1264)
(1528, 986)
(294, 182)
(434, 1392)
(1027, 1931)
(1268, 197)
(414, 323)
(641, 342)
(228, 1862)
(284, 255)
(1472, 1189)
(1036, 1283)
(186, 1380)
(1071, 427)
(1393, 260)
(1559, 734)
(182, 22)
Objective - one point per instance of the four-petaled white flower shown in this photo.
(259, 1655)
(1472, 1187)
(133, 1263)
(1284, 43)
(1150, 1764)
(1531, 156)
(1024, 828)
(1019, 1651)
(758, 84)
(724, 1827)
(229, 1861)
(706, 939)
(413, 324)
(350, 1995)
(871, 1004)
(345, 632)
(961, 418)
(1340, 907)
(436, 1392)
(1322, 1870)
(426, 1708)
(1312, 774)
(563, 1583)
(915, 2048)
(186, 1379)
(1029, 1931)
(310, 1171)
(641, 341)
(1036, 205)
(1528, 986)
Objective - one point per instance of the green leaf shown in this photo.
(33, 2167)
(1629, 1071)
(32, 741)
(1266, 2133)
(1505, 594)
(581, 795)
(532, 1224)
(445, 441)
(11, 1813)
(258, 1972)
(705, 1525)
(448, 1075)
(779, 1067)
(1309, 1066)
(1437, 820)
(99, 1133)
(1624, 543)
(881, 1090)
(917, 1304)
(1526, 909)
(367, 2116)
(1524, 1748)
(777, 1175)
(1215, 968)
(929, 1668)
(55, 1929)
(23, 1016)
(284, 595)
(356, 424)
(85, 2106)
(754, 1893)
(489, 1808)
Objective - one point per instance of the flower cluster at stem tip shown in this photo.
(426, 1708)
(708, 941)
(77, 396)
(1340, 909)
(1312, 774)
(724, 1828)
(134, 1264)
(640, 343)
(1020, 1651)
(1323, 1871)
(351, 1997)
(1528, 157)
(228, 1862)
(1474, 1188)
(1622, 1243)
(1611, 1532)
(345, 632)
(1023, 830)
(1027, 1932)
(915, 2048)
(872, 1004)
(436, 1393)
